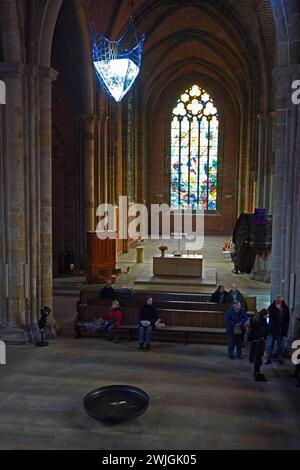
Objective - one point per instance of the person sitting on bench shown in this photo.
(147, 318)
(108, 292)
(220, 296)
(113, 319)
(234, 295)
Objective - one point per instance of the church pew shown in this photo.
(92, 293)
(94, 304)
(177, 333)
(188, 318)
(181, 324)
(90, 296)
(213, 319)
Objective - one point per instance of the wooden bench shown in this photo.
(126, 295)
(178, 331)
(190, 318)
(209, 326)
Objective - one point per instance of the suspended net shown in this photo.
(117, 63)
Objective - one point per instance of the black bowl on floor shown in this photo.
(116, 403)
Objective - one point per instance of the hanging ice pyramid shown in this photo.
(117, 63)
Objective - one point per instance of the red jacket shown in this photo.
(116, 314)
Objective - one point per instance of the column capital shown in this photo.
(11, 69)
(48, 73)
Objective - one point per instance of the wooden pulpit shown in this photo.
(100, 258)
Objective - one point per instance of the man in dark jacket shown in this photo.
(236, 319)
(278, 327)
(108, 292)
(234, 295)
(147, 317)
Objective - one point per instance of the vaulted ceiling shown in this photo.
(227, 42)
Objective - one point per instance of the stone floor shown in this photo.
(199, 399)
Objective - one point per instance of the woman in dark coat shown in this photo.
(220, 296)
(258, 332)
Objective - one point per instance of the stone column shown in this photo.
(32, 279)
(12, 205)
(260, 160)
(264, 161)
(286, 238)
(87, 136)
(46, 77)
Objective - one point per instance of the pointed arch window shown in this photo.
(194, 151)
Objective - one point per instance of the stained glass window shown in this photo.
(194, 151)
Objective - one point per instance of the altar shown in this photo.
(183, 266)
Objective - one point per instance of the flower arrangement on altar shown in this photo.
(163, 249)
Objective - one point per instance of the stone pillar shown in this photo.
(264, 161)
(12, 204)
(286, 233)
(260, 160)
(46, 77)
(87, 135)
(32, 279)
(86, 149)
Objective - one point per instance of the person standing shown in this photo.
(234, 295)
(258, 332)
(147, 317)
(278, 327)
(236, 319)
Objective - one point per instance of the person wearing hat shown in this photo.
(113, 319)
